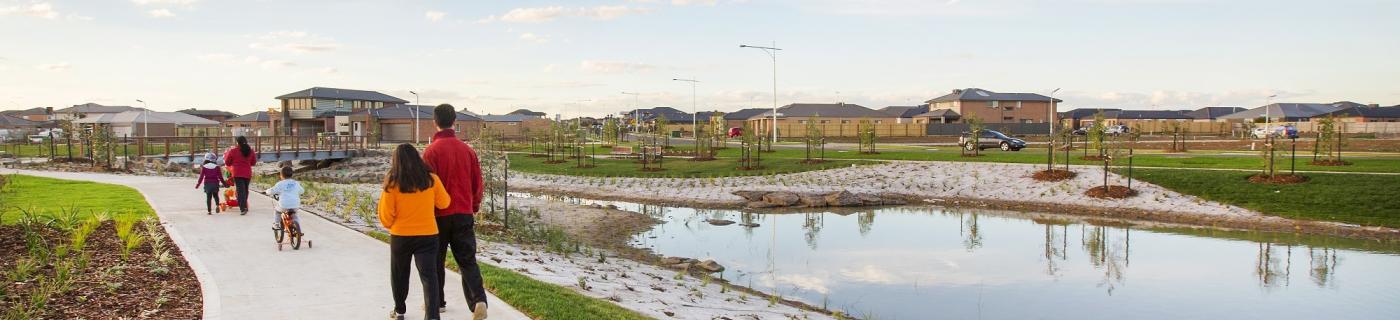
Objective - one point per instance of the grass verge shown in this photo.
(1144, 158)
(538, 299)
(1349, 198)
(674, 167)
(22, 192)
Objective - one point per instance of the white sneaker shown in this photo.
(479, 312)
(395, 315)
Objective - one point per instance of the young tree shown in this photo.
(811, 138)
(1095, 134)
(719, 130)
(865, 131)
(975, 126)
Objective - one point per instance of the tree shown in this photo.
(1095, 134)
(865, 131)
(610, 131)
(719, 130)
(813, 139)
(975, 126)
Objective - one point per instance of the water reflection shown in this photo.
(929, 262)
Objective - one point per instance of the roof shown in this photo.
(406, 112)
(259, 116)
(1083, 113)
(1149, 114)
(342, 94)
(132, 117)
(975, 94)
(13, 121)
(94, 108)
(835, 110)
(1290, 110)
(1369, 112)
(36, 111)
(1211, 113)
(207, 113)
(506, 118)
(651, 113)
(527, 112)
(939, 113)
(905, 111)
(744, 114)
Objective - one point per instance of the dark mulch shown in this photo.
(1277, 179)
(1330, 163)
(1053, 175)
(108, 288)
(1113, 192)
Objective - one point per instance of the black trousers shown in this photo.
(241, 186)
(211, 197)
(457, 232)
(421, 250)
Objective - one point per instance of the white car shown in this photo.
(1284, 131)
(1114, 130)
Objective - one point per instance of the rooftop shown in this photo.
(834, 110)
(342, 94)
(975, 94)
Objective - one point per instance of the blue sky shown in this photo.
(577, 56)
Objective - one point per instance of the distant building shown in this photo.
(316, 110)
(1211, 114)
(515, 126)
(995, 107)
(1084, 117)
(13, 128)
(38, 114)
(395, 124)
(216, 115)
(825, 113)
(139, 123)
(253, 124)
(905, 114)
(88, 109)
(527, 112)
(1291, 112)
(1370, 113)
(736, 119)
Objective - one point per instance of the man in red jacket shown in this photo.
(460, 172)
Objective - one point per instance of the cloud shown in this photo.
(697, 2)
(216, 57)
(550, 67)
(330, 70)
(914, 8)
(61, 66)
(35, 9)
(531, 37)
(546, 14)
(869, 274)
(614, 67)
(1171, 99)
(270, 64)
(434, 16)
(276, 64)
(161, 13)
(294, 41)
(164, 2)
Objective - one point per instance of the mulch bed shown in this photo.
(107, 288)
(1113, 192)
(1330, 163)
(1053, 175)
(1277, 179)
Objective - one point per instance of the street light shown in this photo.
(636, 112)
(415, 116)
(694, 114)
(146, 121)
(1050, 146)
(772, 53)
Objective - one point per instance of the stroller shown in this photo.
(230, 196)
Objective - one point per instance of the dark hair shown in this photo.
(444, 115)
(407, 172)
(286, 172)
(208, 161)
(243, 147)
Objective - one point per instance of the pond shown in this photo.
(922, 262)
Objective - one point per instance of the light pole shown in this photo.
(415, 116)
(772, 53)
(146, 119)
(1050, 146)
(694, 113)
(1267, 102)
(636, 112)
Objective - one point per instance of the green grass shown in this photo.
(48, 196)
(61, 150)
(1351, 198)
(674, 167)
(537, 299)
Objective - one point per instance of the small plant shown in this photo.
(583, 282)
(130, 243)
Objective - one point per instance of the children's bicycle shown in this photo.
(289, 230)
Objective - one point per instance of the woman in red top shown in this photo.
(240, 160)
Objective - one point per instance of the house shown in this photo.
(936, 116)
(527, 112)
(1211, 114)
(515, 126)
(139, 123)
(318, 109)
(1370, 113)
(649, 114)
(14, 128)
(792, 118)
(736, 119)
(259, 123)
(38, 114)
(396, 124)
(88, 109)
(905, 114)
(1079, 117)
(216, 115)
(1290, 112)
(995, 107)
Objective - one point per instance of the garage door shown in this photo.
(398, 132)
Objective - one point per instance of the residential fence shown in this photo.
(792, 130)
(954, 129)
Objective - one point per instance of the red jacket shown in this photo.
(241, 166)
(456, 165)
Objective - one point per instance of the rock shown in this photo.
(679, 266)
(749, 225)
(710, 266)
(781, 199)
(751, 195)
(719, 222)
(675, 260)
(812, 200)
(842, 199)
(760, 205)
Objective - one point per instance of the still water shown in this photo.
(947, 263)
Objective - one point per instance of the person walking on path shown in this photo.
(456, 164)
(411, 193)
(240, 159)
(211, 177)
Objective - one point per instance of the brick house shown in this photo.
(317, 110)
(995, 107)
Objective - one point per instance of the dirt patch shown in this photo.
(1330, 163)
(1092, 158)
(106, 287)
(1277, 179)
(1111, 192)
(1053, 175)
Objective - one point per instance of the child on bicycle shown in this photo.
(288, 193)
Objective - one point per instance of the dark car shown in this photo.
(992, 139)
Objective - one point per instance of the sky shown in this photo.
(578, 57)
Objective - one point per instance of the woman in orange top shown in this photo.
(406, 204)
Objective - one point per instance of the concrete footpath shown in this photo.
(243, 276)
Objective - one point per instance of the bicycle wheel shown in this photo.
(295, 233)
(277, 234)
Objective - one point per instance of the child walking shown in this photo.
(411, 193)
(211, 178)
(288, 193)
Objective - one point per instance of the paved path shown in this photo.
(345, 276)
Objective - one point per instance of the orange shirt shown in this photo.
(411, 214)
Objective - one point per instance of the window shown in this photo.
(802, 121)
(877, 121)
(825, 121)
(1008, 119)
(991, 104)
(845, 121)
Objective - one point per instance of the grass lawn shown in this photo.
(675, 167)
(1350, 198)
(48, 196)
(538, 299)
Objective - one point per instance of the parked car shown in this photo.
(1114, 130)
(37, 139)
(1286, 131)
(1080, 132)
(992, 139)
